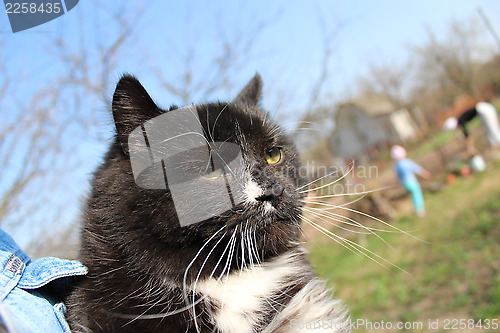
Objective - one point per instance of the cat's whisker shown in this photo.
(226, 248)
(326, 213)
(216, 119)
(146, 292)
(249, 245)
(254, 242)
(354, 223)
(136, 293)
(328, 207)
(242, 249)
(189, 305)
(184, 134)
(307, 129)
(184, 280)
(205, 261)
(339, 226)
(349, 193)
(111, 271)
(296, 128)
(346, 220)
(351, 168)
(229, 260)
(197, 254)
(196, 117)
(275, 130)
(198, 277)
(255, 259)
(335, 221)
(140, 316)
(332, 236)
(150, 290)
(326, 204)
(156, 315)
(381, 221)
(354, 246)
(317, 179)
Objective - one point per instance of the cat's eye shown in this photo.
(274, 155)
(209, 173)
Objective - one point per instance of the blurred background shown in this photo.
(346, 79)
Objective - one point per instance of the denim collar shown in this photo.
(36, 273)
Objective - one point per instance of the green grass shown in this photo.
(440, 139)
(453, 271)
(436, 141)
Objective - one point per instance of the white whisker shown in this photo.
(324, 216)
(333, 206)
(349, 193)
(355, 246)
(184, 280)
(352, 222)
(332, 182)
(381, 221)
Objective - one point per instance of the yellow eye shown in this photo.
(273, 155)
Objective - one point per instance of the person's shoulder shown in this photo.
(403, 163)
(484, 106)
(410, 164)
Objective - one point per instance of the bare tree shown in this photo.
(316, 123)
(452, 62)
(91, 64)
(40, 150)
(31, 126)
(390, 79)
(488, 78)
(216, 72)
(41, 134)
(436, 73)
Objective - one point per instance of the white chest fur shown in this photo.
(244, 296)
(241, 295)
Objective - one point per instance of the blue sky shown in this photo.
(287, 52)
(289, 47)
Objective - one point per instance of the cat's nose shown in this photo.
(273, 192)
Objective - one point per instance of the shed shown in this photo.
(368, 121)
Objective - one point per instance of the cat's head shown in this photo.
(190, 173)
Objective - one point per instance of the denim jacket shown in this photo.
(29, 290)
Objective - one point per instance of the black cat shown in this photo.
(239, 270)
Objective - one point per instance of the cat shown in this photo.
(240, 270)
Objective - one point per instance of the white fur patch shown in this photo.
(242, 294)
(252, 191)
(268, 207)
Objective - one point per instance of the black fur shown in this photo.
(137, 253)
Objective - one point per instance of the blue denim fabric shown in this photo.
(26, 307)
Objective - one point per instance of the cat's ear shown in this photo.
(131, 107)
(250, 95)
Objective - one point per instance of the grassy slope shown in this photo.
(455, 273)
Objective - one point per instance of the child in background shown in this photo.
(406, 170)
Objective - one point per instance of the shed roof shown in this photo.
(373, 104)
